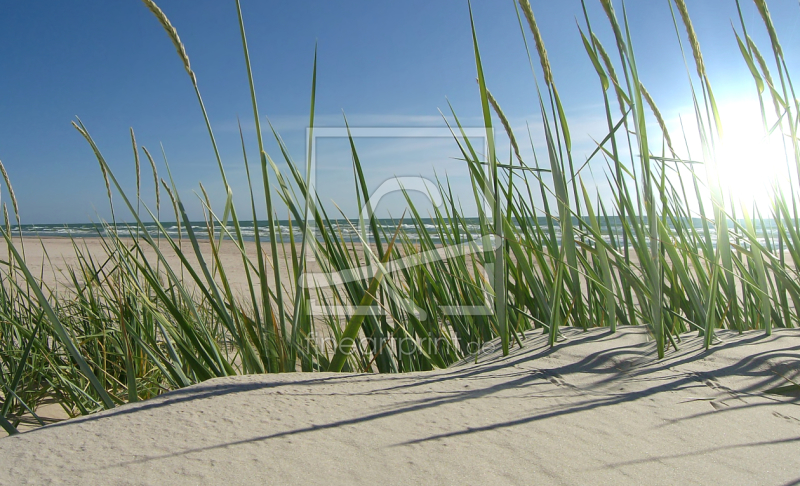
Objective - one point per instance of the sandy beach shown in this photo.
(597, 409)
(51, 257)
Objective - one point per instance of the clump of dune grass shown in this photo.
(131, 326)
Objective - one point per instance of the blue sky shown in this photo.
(391, 64)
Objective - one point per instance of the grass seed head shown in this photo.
(205, 195)
(155, 177)
(761, 62)
(7, 220)
(537, 37)
(174, 205)
(608, 7)
(138, 168)
(173, 35)
(659, 118)
(767, 18)
(105, 179)
(612, 73)
(687, 23)
(10, 190)
(169, 191)
(506, 124)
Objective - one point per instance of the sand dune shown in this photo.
(597, 409)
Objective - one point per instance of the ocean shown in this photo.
(346, 229)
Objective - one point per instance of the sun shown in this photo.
(751, 162)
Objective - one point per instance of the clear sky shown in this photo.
(382, 63)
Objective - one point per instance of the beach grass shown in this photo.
(134, 324)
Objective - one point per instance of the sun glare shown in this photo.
(750, 161)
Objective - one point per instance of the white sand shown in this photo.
(51, 257)
(599, 409)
